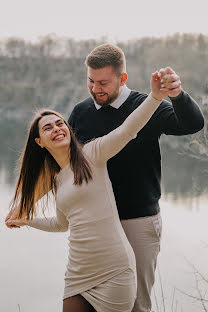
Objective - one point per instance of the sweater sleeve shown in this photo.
(107, 146)
(181, 117)
(58, 223)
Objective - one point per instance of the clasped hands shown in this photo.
(165, 82)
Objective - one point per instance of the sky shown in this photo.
(115, 19)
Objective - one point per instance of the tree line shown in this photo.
(51, 73)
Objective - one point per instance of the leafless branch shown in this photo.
(157, 307)
(202, 300)
(197, 271)
(161, 288)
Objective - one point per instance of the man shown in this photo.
(135, 172)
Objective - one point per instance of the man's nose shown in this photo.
(96, 88)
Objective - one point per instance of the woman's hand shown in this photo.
(17, 223)
(11, 215)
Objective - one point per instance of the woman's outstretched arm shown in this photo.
(58, 223)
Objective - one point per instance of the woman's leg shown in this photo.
(77, 304)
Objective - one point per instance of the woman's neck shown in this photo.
(62, 157)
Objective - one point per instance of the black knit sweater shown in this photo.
(135, 172)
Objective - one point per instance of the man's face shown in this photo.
(104, 84)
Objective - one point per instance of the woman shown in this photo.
(101, 272)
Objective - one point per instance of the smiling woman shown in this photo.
(85, 203)
(53, 131)
(48, 148)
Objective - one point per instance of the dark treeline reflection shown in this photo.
(12, 137)
(183, 176)
(51, 73)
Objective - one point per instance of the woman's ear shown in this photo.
(37, 140)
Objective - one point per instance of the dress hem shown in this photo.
(78, 292)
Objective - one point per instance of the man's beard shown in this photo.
(110, 99)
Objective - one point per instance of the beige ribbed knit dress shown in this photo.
(101, 265)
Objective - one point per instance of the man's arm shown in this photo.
(184, 115)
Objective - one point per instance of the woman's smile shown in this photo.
(59, 137)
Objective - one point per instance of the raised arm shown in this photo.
(183, 115)
(57, 223)
(109, 145)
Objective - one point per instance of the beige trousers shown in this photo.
(144, 235)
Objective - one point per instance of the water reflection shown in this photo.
(12, 138)
(185, 235)
(33, 262)
(184, 250)
(183, 176)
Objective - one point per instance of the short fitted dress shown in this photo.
(101, 265)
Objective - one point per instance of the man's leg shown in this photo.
(144, 236)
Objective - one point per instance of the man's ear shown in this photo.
(37, 140)
(124, 78)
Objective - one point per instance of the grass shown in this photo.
(200, 296)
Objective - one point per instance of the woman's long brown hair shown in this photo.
(38, 169)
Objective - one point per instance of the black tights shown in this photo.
(77, 304)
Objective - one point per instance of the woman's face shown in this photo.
(54, 133)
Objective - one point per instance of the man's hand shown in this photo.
(170, 82)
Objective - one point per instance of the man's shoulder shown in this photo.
(136, 94)
(80, 109)
(136, 97)
(84, 104)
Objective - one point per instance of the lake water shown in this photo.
(32, 263)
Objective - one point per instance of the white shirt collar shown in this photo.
(120, 99)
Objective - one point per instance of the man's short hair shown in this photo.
(107, 55)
